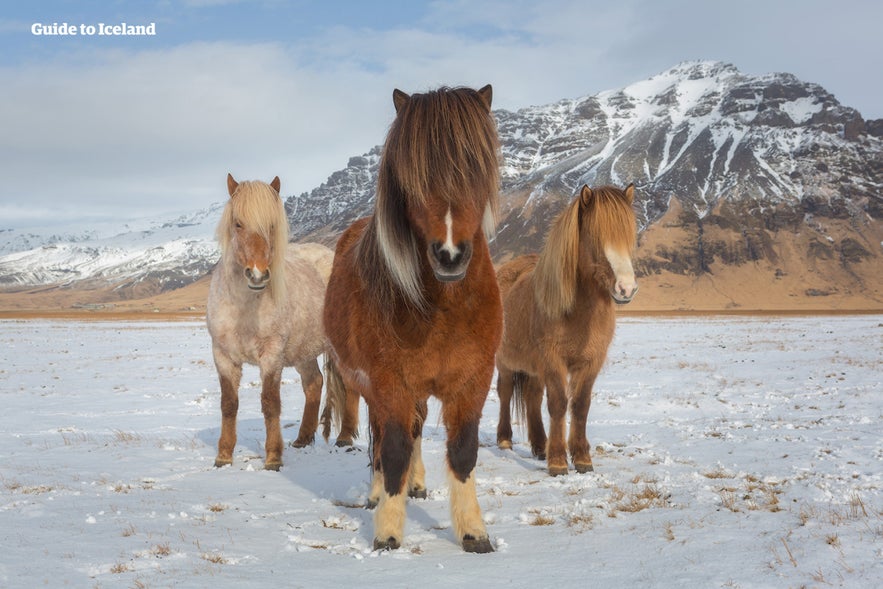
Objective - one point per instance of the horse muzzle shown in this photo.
(449, 264)
(257, 280)
(621, 297)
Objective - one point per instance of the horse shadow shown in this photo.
(340, 476)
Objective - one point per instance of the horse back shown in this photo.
(511, 271)
(316, 254)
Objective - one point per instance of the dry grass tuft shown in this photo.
(214, 558)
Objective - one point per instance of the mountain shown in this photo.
(752, 192)
(135, 259)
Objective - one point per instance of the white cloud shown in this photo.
(131, 132)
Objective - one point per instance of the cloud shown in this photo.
(128, 131)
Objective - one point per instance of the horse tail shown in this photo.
(519, 403)
(335, 398)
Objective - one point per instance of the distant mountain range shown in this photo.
(742, 182)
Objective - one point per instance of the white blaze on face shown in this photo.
(449, 246)
(626, 285)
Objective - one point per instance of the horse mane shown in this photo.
(442, 144)
(257, 207)
(600, 217)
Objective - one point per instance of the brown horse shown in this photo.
(413, 308)
(265, 308)
(559, 321)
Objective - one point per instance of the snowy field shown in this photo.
(729, 452)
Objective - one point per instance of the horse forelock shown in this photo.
(609, 221)
(257, 207)
(443, 144)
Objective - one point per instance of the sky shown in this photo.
(105, 127)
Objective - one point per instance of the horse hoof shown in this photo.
(298, 443)
(417, 493)
(388, 544)
(343, 443)
(539, 454)
(584, 468)
(272, 466)
(557, 470)
(504, 444)
(477, 545)
(219, 462)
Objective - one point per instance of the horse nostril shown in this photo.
(444, 256)
(249, 274)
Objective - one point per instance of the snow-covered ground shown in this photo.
(730, 452)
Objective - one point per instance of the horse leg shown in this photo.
(532, 395)
(376, 468)
(580, 402)
(396, 446)
(462, 446)
(556, 392)
(504, 392)
(229, 375)
(271, 406)
(416, 469)
(349, 425)
(311, 378)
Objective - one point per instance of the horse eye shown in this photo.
(238, 225)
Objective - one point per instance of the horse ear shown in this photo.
(232, 185)
(487, 95)
(275, 185)
(630, 193)
(586, 194)
(399, 99)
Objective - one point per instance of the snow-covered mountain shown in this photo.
(161, 254)
(730, 170)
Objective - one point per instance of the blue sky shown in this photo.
(124, 127)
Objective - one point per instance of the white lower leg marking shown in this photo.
(465, 512)
(389, 518)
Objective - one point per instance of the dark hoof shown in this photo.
(556, 471)
(343, 443)
(417, 493)
(584, 468)
(539, 454)
(298, 443)
(272, 466)
(371, 504)
(219, 462)
(388, 544)
(477, 545)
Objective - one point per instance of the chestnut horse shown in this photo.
(413, 308)
(265, 308)
(559, 321)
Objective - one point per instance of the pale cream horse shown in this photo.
(265, 308)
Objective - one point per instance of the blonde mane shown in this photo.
(599, 218)
(258, 208)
